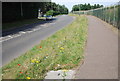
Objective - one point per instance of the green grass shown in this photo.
(16, 24)
(42, 18)
(63, 50)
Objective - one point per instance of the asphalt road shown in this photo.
(18, 45)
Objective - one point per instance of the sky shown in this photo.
(69, 3)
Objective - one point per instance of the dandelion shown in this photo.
(37, 61)
(32, 61)
(28, 77)
(61, 48)
(19, 64)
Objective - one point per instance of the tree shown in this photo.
(50, 12)
(85, 7)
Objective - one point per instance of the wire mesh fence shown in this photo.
(109, 14)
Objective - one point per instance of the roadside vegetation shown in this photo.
(83, 7)
(17, 24)
(18, 14)
(62, 50)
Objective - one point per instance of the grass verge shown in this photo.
(16, 24)
(63, 50)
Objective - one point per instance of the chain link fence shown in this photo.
(109, 14)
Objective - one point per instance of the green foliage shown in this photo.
(56, 9)
(16, 11)
(109, 14)
(50, 12)
(85, 7)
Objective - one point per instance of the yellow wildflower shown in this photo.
(61, 48)
(28, 77)
(32, 61)
(37, 61)
(64, 70)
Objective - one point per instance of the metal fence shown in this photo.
(109, 14)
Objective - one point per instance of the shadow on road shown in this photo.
(28, 27)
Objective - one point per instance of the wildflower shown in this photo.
(28, 77)
(21, 72)
(40, 46)
(37, 61)
(58, 65)
(19, 64)
(61, 48)
(32, 61)
(64, 70)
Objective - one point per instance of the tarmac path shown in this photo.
(101, 53)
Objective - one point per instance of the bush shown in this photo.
(50, 12)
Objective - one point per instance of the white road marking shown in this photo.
(34, 29)
(29, 31)
(6, 38)
(16, 35)
(10, 36)
(22, 32)
(2, 39)
(52, 23)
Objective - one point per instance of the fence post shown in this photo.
(114, 16)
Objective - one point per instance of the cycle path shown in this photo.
(101, 53)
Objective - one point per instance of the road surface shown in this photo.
(101, 54)
(24, 41)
